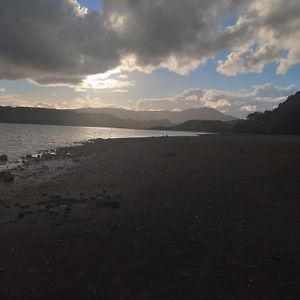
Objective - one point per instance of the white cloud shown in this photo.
(268, 32)
(261, 97)
(249, 108)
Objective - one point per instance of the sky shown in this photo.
(238, 56)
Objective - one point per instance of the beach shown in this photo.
(207, 217)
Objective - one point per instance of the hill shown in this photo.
(285, 119)
(71, 118)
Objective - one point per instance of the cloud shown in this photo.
(269, 33)
(54, 41)
(249, 108)
(248, 60)
(261, 97)
(57, 42)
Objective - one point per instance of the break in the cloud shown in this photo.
(104, 81)
(57, 42)
(234, 103)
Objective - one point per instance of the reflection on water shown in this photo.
(17, 140)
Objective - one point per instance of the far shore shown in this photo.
(204, 217)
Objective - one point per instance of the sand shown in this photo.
(208, 217)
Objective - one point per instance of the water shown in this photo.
(17, 140)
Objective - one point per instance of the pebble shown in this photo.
(3, 158)
(21, 215)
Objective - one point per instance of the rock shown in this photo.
(26, 163)
(36, 159)
(51, 205)
(40, 203)
(241, 151)
(3, 158)
(7, 176)
(71, 200)
(25, 206)
(21, 216)
(171, 155)
(55, 196)
(67, 208)
(111, 203)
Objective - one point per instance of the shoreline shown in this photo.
(35, 145)
(155, 218)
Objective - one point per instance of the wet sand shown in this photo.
(208, 217)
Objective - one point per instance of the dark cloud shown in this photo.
(53, 39)
(57, 41)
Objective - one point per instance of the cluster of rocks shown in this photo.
(61, 205)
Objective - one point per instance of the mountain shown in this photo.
(176, 117)
(285, 119)
(106, 117)
(44, 116)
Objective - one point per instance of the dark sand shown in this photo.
(209, 217)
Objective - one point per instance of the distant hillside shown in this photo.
(285, 119)
(176, 117)
(201, 126)
(71, 118)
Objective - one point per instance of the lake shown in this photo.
(17, 140)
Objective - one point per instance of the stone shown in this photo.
(25, 206)
(21, 216)
(112, 204)
(3, 158)
(55, 196)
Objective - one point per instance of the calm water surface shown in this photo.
(17, 140)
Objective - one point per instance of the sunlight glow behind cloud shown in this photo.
(87, 45)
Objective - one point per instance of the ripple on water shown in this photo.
(18, 140)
